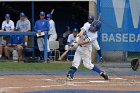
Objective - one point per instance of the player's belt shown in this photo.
(82, 46)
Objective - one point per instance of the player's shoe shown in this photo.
(104, 75)
(69, 77)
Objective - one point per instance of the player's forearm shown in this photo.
(81, 32)
(21, 44)
(83, 42)
(2, 30)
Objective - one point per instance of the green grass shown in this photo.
(133, 55)
(36, 66)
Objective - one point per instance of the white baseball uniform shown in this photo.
(52, 31)
(70, 40)
(8, 25)
(95, 35)
(84, 53)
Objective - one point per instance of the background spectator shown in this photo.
(16, 43)
(66, 34)
(52, 30)
(41, 25)
(23, 25)
(8, 26)
(70, 40)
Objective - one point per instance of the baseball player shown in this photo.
(52, 31)
(83, 52)
(8, 26)
(70, 40)
(23, 25)
(86, 27)
(40, 27)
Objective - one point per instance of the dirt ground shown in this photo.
(26, 83)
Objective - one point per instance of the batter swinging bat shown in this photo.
(64, 54)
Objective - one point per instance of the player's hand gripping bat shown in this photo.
(74, 45)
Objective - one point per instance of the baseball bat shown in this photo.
(64, 54)
(52, 11)
(99, 17)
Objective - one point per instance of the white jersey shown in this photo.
(52, 29)
(88, 36)
(92, 36)
(7, 26)
(71, 38)
(86, 28)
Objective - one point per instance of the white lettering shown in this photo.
(111, 38)
(104, 37)
(132, 38)
(118, 37)
(119, 6)
(125, 38)
(135, 11)
(138, 38)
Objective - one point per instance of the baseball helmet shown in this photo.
(90, 17)
(97, 24)
(7, 16)
(22, 14)
(75, 30)
(42, 13)
(49, 16)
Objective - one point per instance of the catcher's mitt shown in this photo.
(135, 64)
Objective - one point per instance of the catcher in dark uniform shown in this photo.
(135, 64)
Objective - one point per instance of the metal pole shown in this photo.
(99, 32)
(33, 26)
(45, 46)
(98, 7)
(33, 15)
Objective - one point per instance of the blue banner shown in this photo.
(120, 25)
